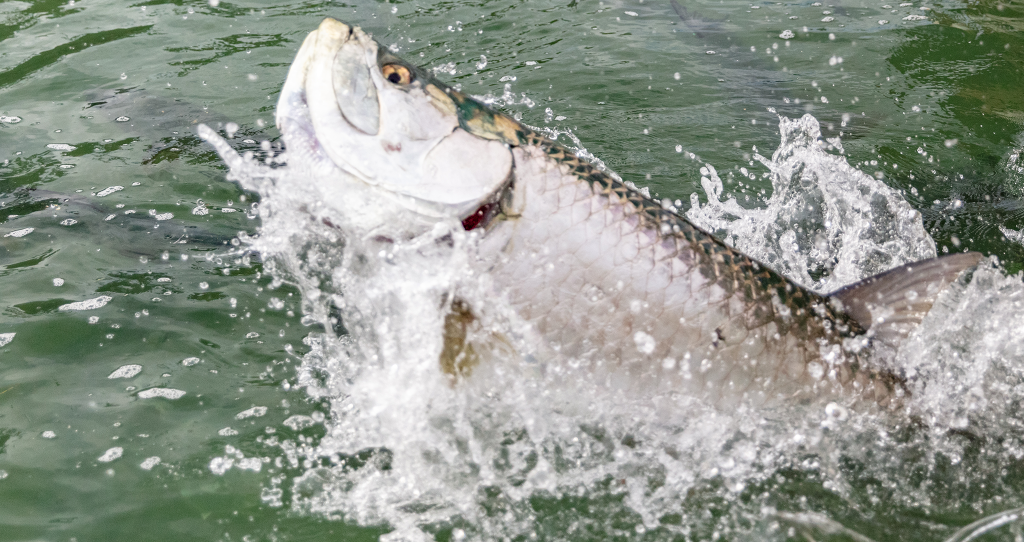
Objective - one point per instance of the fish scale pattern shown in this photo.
(613, 280)
(610, 280)
(729, 269)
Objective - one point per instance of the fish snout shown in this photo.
(333, 30)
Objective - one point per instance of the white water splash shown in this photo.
(494, 454)
(1017, 236)
(1014, 165)
(826, 223)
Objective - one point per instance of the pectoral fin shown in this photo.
(890, 305)
(467, 343)
(458, 357)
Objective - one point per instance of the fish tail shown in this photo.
(890, 305)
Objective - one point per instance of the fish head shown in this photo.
(351, 105)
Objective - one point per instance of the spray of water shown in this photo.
(515, 451)
(826, 223)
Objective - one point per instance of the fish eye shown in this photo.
(397, 74)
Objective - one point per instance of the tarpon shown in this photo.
(602, 275)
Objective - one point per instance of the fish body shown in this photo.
(601, 275)
(610, 278)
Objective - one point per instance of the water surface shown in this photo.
(178, 402)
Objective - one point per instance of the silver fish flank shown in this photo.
(602, 276)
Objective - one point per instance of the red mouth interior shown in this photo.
(480, 217)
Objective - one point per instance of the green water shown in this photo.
(126, 84)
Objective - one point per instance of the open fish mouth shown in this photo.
(351, 106)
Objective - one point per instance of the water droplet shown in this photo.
(645, 344)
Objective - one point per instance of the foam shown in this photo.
(87, 305)
(166, 393)
(126, 371)
(111, 455)
(824, 218)
(404, 447)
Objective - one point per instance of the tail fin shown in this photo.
(891, 304)
(698, 26)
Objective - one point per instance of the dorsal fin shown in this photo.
(890, 305)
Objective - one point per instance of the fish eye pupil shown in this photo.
(397, 74)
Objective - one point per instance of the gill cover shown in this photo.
(402, 138)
